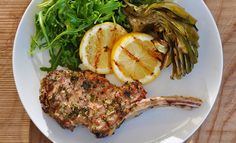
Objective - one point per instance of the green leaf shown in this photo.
(61, 24)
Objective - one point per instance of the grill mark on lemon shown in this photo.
(147, 61)
(114, 34)
(150, 48)
(121, 68)
(97, 60)
(99, 50)
(137, 60)
(128, 67)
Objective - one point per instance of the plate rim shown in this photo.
(189, 134)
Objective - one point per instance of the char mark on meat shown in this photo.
(85, 98)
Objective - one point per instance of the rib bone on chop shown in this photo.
(85, 98)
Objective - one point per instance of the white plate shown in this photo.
(156, 125)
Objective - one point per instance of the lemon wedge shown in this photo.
(96, 45)
(134, 57)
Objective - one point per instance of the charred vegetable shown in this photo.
(171, 24)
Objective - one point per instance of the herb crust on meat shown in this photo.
(85, 98)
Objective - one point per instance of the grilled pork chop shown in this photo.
(85, 98)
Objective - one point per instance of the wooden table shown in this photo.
(16, 127)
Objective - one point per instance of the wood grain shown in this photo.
(14, 122)
(219, 127)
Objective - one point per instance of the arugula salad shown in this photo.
(60, 25)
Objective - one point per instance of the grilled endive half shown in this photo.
(169, 23)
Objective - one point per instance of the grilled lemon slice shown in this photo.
(96, 45)
(134, 58)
